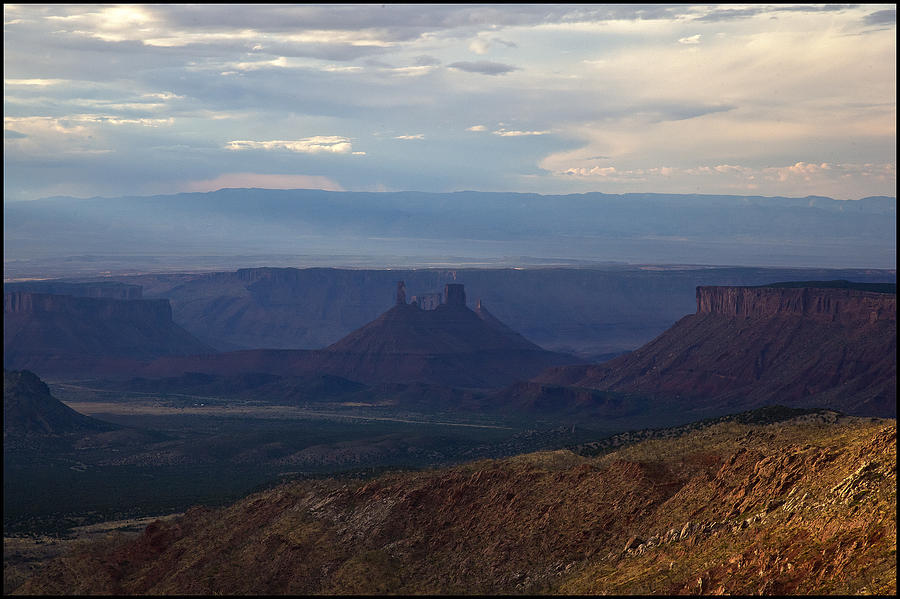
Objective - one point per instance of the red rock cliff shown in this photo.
(23, 302)
(824, 305)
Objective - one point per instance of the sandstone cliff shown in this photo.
(107, 289)
(847, 306)
(746, 347)
(61, 333)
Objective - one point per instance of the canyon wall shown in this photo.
(23, 302)
(109, 290)
(848, 306)
(55, 334)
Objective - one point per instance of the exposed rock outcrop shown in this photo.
(29, 409)
(108, 289)
(730, 509)
(847, 306)
(64, 334)
(747, 347)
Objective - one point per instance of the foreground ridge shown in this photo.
(806, 505)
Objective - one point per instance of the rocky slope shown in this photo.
(806, 506)
(58, 334)
(30, 410)
(745, 347)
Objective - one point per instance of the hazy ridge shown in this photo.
(699, 229)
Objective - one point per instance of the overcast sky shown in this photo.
(144, 99)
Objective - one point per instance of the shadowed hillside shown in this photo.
(746, 347)
(30, 410)
(797, 507)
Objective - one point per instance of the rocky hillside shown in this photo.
(29, 409)
(805, 506)
(51, 333)
(745, 347)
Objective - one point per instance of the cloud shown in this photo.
(483, 67)
(881, 17)
(514, 133)
(267, 181)
(803, 177)
(727, 14)
(593, 80)
(481, 45)
(426, 61)
(280, 62)
(37, 82)
(416, 71)
(416, 136)
(310, 145)
(10, 134)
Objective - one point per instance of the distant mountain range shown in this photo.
(692, 229)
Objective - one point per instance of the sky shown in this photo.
(112, 100)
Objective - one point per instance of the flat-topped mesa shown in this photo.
(849, 306)
(102, 289)
(24, 302)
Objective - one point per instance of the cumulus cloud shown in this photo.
(483, 67)
(601, 81)
(332, 144)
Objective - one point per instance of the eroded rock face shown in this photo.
(752, 346)
(110, 290)
(546, 523)
(23, 302)
(55, 333)
(847, 306)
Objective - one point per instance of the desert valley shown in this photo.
(449, 299)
